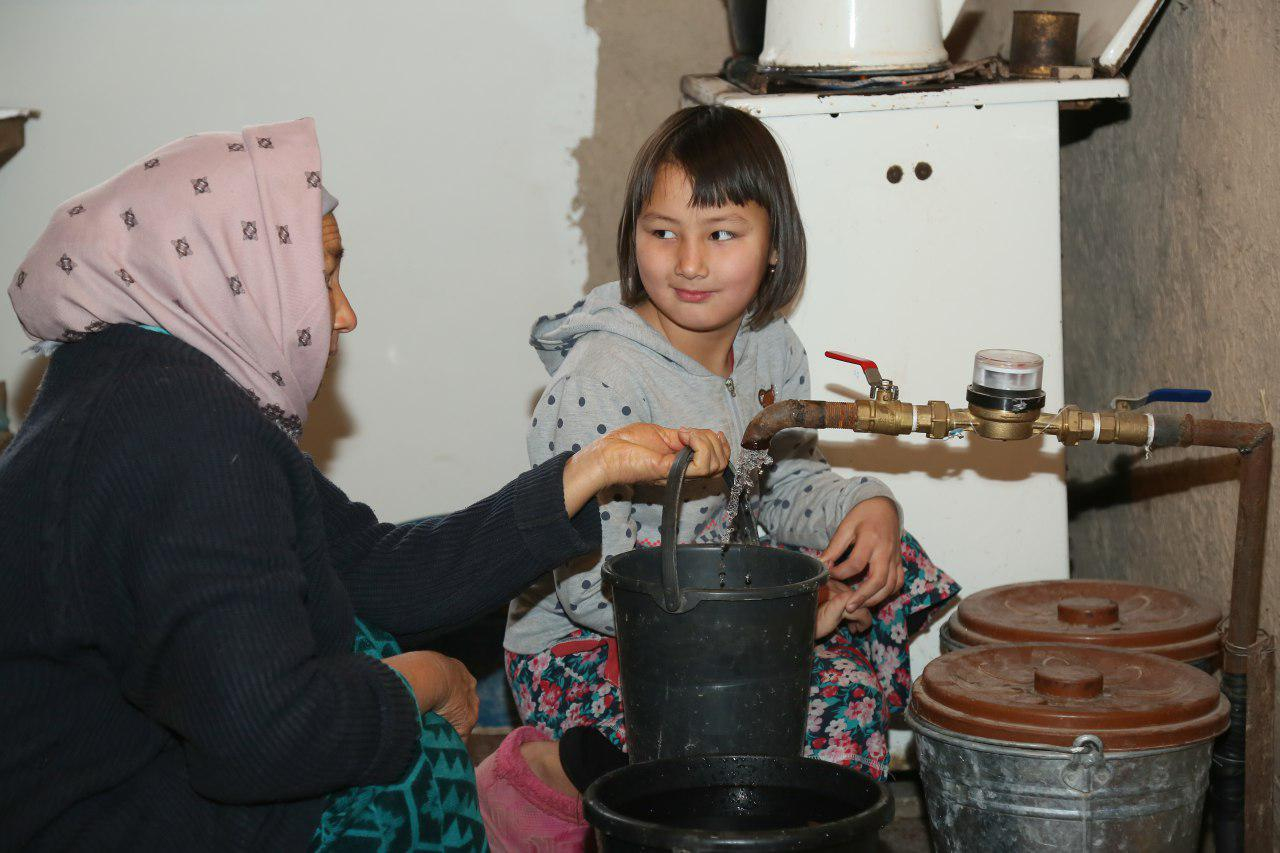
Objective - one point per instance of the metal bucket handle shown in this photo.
(673, 600)
(1087, 769)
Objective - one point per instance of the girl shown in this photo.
(710, 251)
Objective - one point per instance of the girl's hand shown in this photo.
(441, 684)
(837, 603)
(871, 528)
(639, 453)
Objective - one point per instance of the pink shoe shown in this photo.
(521, 814)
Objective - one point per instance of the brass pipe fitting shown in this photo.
(885, 417)
(1072, 426)
(1132, 428)
(1001, 425)
(935, 419)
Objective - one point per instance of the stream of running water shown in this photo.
(746, 476)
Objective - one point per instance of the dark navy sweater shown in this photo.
(178, 586)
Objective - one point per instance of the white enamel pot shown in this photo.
(853, 36)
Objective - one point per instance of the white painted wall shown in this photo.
(446, 130)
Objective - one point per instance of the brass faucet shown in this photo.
(1005, 403)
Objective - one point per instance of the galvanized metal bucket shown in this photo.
(985, 795)
(1069, 748)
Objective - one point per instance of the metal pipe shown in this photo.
(1227, 773)
(1234, 435)
(1251, 540)
(1243, 757)
(807, 414)
(1254, 441)
(1259, 815)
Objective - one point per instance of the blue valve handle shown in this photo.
(1178, 395)
(1165, 395)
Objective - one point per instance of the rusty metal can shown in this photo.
(1042, 42)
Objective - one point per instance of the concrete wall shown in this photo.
(1171, 217)
(478, 150)
(645, 48)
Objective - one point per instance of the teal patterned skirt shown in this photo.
(433, 809)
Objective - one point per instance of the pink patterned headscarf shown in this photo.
(214, 238)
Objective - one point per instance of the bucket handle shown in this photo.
(1087, 769)
(673, 598)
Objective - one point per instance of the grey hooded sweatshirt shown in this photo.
(609, 368)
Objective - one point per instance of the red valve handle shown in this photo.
(869, 368)
(864, 363)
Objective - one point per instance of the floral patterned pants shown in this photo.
(857, 682)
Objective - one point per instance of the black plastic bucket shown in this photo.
(741, 803)
(708, 668)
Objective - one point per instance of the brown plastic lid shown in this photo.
(1050, 694)
(1094, 612)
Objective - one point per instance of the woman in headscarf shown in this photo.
(192, 618)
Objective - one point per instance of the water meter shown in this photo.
(1005, 397)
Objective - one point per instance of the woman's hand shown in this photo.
(837, 603)
(440, 684)
(871, 528)
(639, 453)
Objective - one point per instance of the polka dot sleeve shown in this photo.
(573, 412)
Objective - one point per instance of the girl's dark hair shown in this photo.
(730, 158)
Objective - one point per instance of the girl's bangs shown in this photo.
(719, 180)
